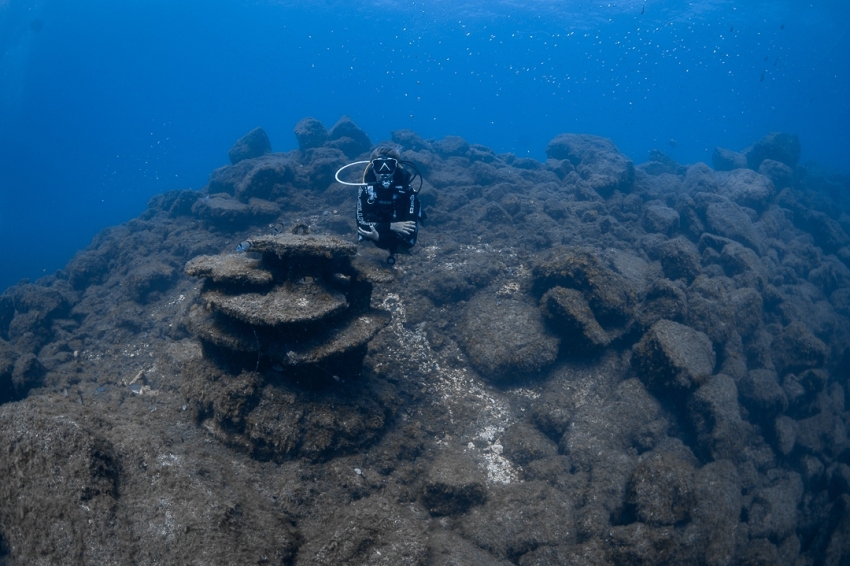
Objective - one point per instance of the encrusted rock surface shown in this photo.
(231, 269)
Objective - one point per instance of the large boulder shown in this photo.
(597, 160)
(505, 339)
(778, 146)
(727, 219)
(780, 174)
(772, 512)
(748, 188)
(679, 259)
(673, 359)
(661, 488)
(310, 134)
(348, 138)
(520, 517)
(224, 213)
(761, 394)
(373, 530)
(524, 444)
(451, 146)
(59, 478)
(267, 178)
(609, 295)
(727, 160)
(796, 349)
(700, 178)
(660, 219)
(567, 311)
(253, 144)
(715, 416)
(453, 484)
(714, 519)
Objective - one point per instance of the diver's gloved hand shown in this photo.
(371, 234)
(405, 228)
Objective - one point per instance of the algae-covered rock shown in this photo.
(253, 144)
(452, 485)
(673, 358)
(229, 269)
(310, 133)
(608, 294)
(374, 531)
(597, 160)
(568, 313)
(293, 246)
(301, 311)
(505, 339)
(335, 341)
(283, 304)
(778, 146)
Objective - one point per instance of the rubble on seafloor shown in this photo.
(584, 360)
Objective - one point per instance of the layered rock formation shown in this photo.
(300, 312)
(301, 305)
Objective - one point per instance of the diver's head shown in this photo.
(384, 162)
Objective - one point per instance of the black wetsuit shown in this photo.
(377, 207)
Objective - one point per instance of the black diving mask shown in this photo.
(384, 168)
(384, 165)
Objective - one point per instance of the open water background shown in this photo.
(104, 104)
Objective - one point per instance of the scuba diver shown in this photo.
(388, 208)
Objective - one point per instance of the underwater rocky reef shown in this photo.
(583, 361)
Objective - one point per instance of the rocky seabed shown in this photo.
(584, 361)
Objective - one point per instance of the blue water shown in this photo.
(104, 104)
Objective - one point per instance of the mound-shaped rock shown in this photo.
(727, 160)
(232, 269)
(368, 531)
(253, 144)
(503, 526)
(778, 146)
(62, 475)
(346, 136)
(727, 219)
(310, 134)
(568, 313)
